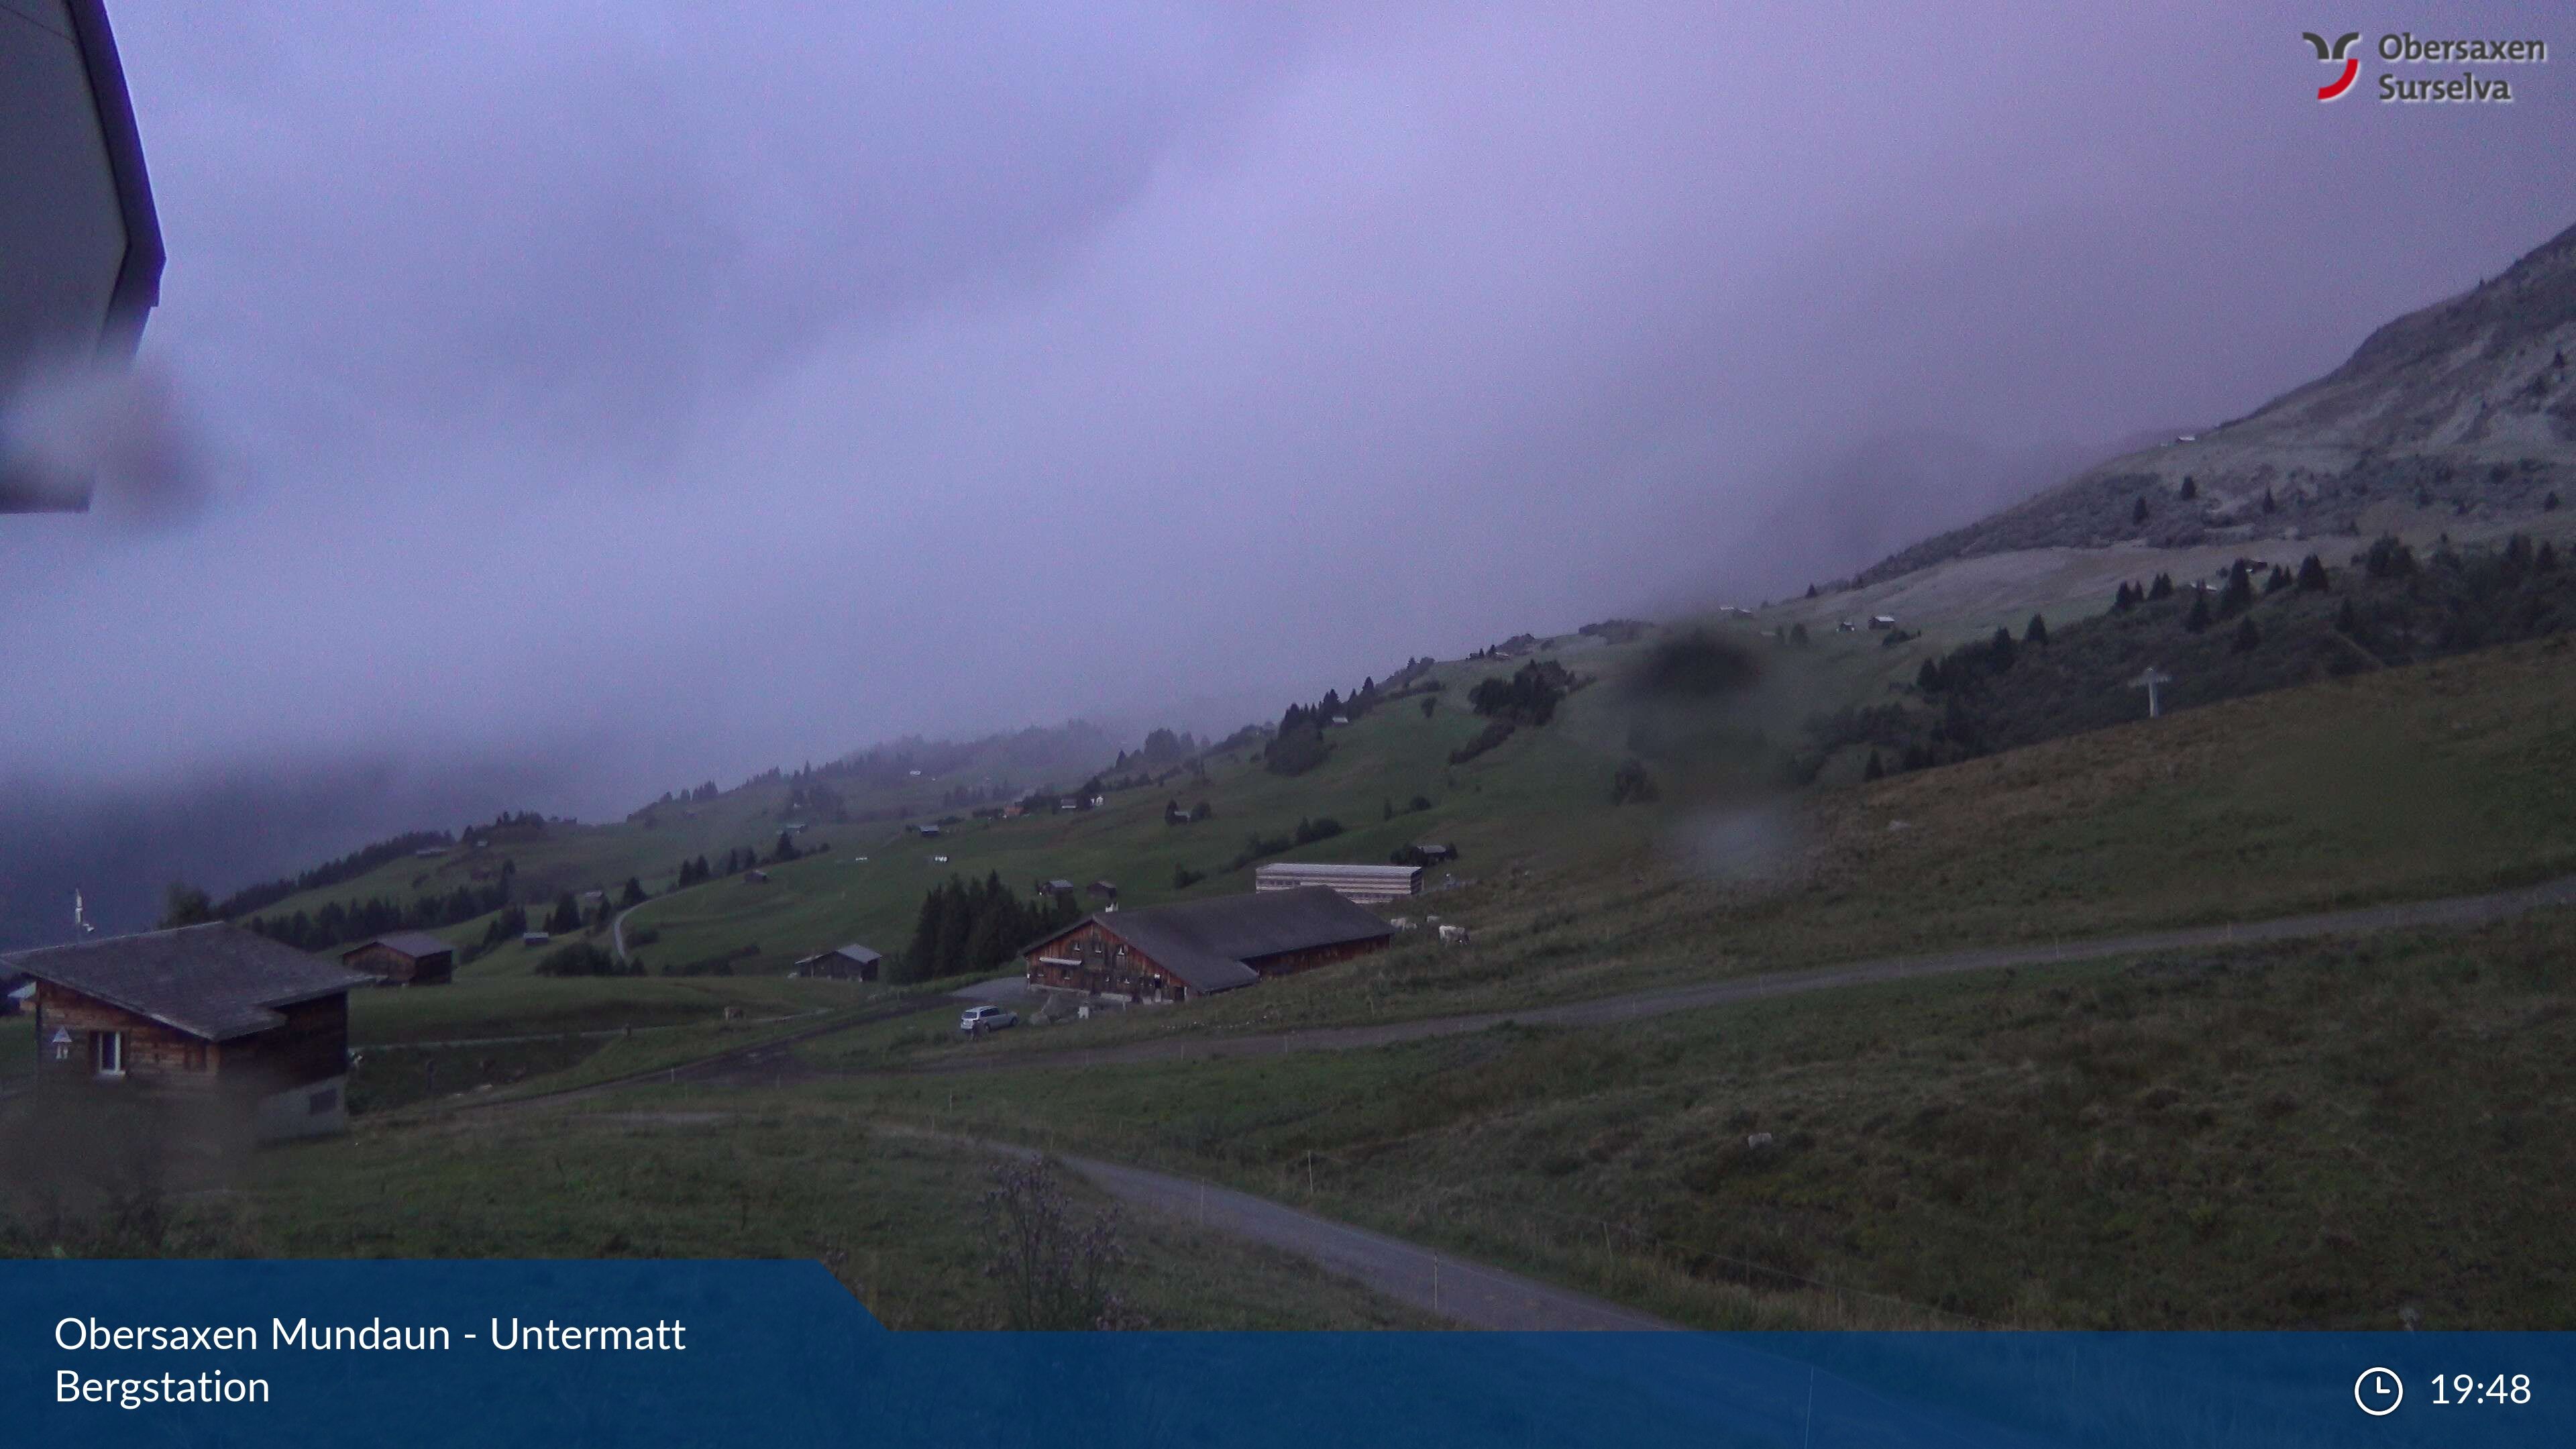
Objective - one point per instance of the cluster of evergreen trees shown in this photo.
(1494, 733)
(337, 923)
(732, 862)
(1298, 744)
(977, 926)
(1529, 697)
(1163, 747)
(509, 925)
(2267, 627)
(1255, 847)
(348, 867)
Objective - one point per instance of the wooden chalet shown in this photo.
(853, 962)
(1198, 948)
(406, 958)
(211, 1008)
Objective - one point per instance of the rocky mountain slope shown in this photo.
(2468, 406)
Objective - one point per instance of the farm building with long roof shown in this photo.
(1198, 948)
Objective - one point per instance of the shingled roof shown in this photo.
(415, 944)
(214, 981)
(1212, 944)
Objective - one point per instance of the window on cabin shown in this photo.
(196, 1056)
(107, 1052)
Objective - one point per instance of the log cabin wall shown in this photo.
(312, 1045)
(1106, 966)
(152, 1051)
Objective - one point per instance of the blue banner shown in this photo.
(777, 1354)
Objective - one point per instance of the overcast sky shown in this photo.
(654, 396)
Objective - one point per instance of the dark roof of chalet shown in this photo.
(216, 981)
(1208, 943)
(854, 951)
(415, 944)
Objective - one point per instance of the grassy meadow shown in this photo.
(897, 1219)
(2320, 1136)
(2442, 778)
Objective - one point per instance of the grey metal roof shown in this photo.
(854, 951)
(214, 981)
(1320, 868)
(414, 944)
(1211, 944)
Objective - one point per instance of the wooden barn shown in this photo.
(1367, 884)
(1198, 948)
(15, 992)
(853, 962)
(407, 958)
(210, 1008)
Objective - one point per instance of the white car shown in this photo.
(981, 1019)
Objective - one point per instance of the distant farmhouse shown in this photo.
(407, 958)
(16, 991)
(1366, 884)
(1102, 890)
(1198, 948)
(853, 962)
(208, 1009)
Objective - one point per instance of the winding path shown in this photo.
(1464, 1291)
(2477, 910)
(1470, 1293)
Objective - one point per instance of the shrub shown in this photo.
(1630, 784)
(1054, 1276)
(1529, 697)
(1322, 827)
(1494, 733)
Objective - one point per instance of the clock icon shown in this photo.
(2378, 1392)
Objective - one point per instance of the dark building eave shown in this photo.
(138, 277)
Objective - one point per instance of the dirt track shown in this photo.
(1472, 1294)
(1464, 1292)
(1609, 1010)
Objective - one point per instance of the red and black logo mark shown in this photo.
(2332, 53)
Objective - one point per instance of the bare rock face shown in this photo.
(2467, 407)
